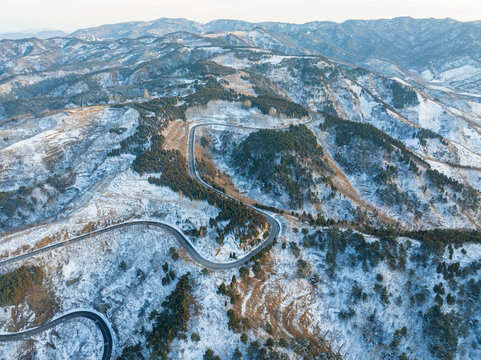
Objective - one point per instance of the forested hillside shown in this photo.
(234, 190)
(288, 161)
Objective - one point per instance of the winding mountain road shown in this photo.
(183, 241)
(96, 318)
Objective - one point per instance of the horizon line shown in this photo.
(68, 32)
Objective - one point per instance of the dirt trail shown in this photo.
(343, 185)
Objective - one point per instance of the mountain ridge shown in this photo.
(434, 49)
(235, 24)
(371, 168)
(42, 34)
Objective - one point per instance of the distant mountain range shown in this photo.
(430, 49)
(43, 34)
(162, 26)
(438, 52)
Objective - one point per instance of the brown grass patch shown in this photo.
(184, 256)
(16, 252)
(46, 240)
(238, 85)
(176, 136)
(89, 227)
(265, 298)
(42, 302)
(85, 110)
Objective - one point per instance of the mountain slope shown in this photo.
(441, 50)
(135, 29)
(374, 180)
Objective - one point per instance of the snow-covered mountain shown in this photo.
(137, 29)
(362, 139)
(436, 50)
(40, 34)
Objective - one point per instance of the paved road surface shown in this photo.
(97, 319)
(194, 254)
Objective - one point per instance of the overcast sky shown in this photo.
(69, 15)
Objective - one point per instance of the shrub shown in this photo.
(132, 352)
(450, 299)
(209, 354)
(283, 343)
(243, 272)
(235, 323)
(303, 268)
(237, 355)
(123, 265)
(295, 249)
(222, 289)
(382, 291)
(256, 267)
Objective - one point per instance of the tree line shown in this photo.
(402, 95)
(282, 106)
(347, 130)
(434, 240)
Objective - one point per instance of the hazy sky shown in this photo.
(69, 15)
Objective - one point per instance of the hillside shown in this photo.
(233, 190)
(442, 51)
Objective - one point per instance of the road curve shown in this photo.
(183, 241)
(275, 227)
(180, 237)
(96, 318)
